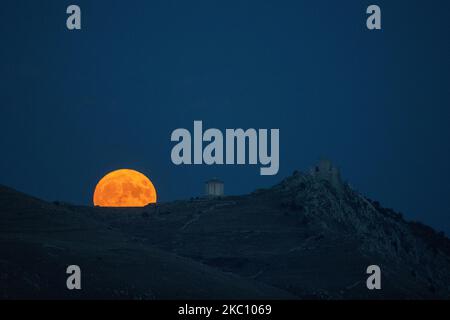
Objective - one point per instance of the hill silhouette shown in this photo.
(304, 238)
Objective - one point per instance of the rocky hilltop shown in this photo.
(309, 237)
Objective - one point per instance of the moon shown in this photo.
(124, 188)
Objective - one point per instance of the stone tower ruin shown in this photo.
(325, 170)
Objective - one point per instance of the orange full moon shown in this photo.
(124, 188)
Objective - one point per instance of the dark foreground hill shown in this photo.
(39, 240)
(304, 238)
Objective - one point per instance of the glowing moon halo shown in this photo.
(124, 188)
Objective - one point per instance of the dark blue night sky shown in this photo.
(76, 105)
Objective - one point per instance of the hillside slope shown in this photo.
(305, 238)
(39, 240)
